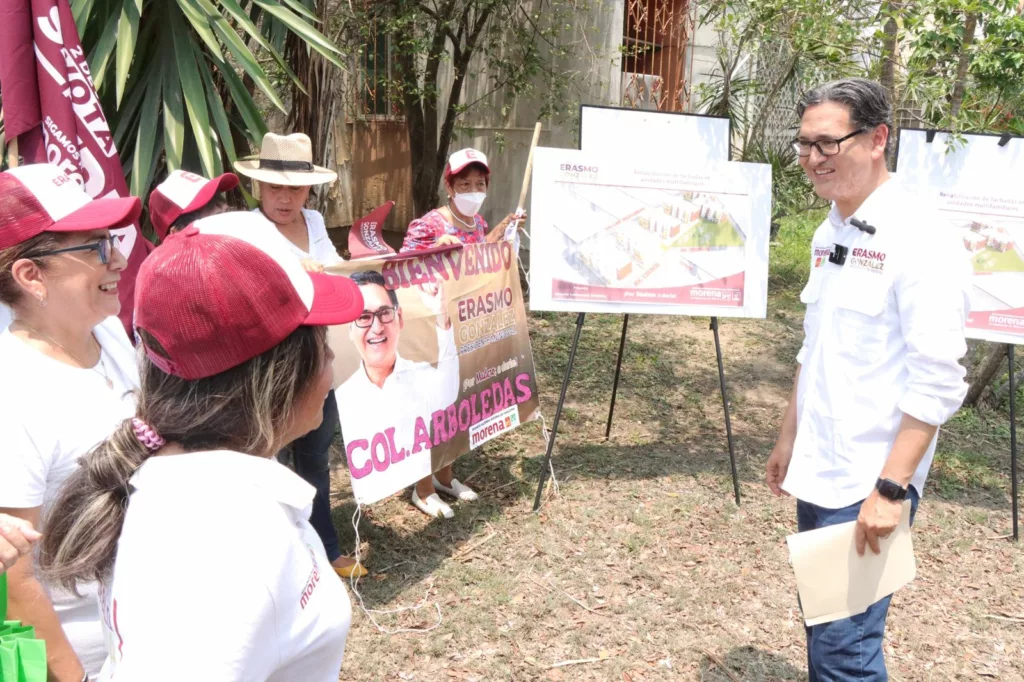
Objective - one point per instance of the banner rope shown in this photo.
(353, 583)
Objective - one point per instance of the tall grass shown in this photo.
(789, 260)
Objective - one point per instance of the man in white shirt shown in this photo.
(387, 404)
(879, 372)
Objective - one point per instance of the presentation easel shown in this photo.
(721, 381)
(546, 468)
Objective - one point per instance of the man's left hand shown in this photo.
(878, 518)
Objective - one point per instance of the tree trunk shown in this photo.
(957, 99)
(985, 374)
(890, 45)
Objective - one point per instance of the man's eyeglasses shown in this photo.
(386, 315)
(824, 147)
(105, 247)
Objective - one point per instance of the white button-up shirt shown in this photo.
(379, 424)
(220, 577)
(883, 335)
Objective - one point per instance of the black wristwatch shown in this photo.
(890, 490)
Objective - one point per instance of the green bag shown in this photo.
(22, 656)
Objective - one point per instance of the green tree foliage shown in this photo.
(178, 78)
(951, 64)
(519, 47)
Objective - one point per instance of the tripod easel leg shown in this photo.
(546, 467)
(725, 404)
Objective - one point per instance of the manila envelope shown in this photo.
(834, 582)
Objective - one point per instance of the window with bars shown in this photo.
(379, 99)
(655, 37)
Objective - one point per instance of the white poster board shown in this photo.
(636, 131)
(649, 233)
(978, 186)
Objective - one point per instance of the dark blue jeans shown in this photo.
(850, 648)
(312, 457)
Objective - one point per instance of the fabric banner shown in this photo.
(440, 364)
(55, 113)
(366, 237)
(649, 233)
(975, 183)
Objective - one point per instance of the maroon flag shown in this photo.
(51, 106)
(366, 238)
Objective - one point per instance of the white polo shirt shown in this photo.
(413, 389)
(51, 414)
(883, 335)
(219, 577)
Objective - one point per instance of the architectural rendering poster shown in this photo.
(649, 233)
(977, 186)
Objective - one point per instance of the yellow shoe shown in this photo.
(355, 570)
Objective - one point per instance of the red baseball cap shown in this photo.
(183, 192)
(462, 158)
(39, 197)
(226, 289)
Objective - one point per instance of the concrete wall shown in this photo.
(373, 155)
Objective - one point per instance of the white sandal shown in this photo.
(432, 506)
(457, 490)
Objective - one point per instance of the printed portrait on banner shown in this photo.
(438, 364)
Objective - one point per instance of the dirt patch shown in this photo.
(641, 567)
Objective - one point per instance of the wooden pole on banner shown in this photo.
(529, 168)
(12, 152)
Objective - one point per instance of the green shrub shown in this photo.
(789, 260)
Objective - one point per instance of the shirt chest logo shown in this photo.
(867, 259)
(821, 254)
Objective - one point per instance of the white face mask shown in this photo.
(470, 202)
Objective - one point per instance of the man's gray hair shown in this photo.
(867, 100)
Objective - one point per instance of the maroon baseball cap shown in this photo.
(40, 197)
(183, 192)
(226, 289)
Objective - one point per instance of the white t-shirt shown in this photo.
(52, 414)
(5, 317)
(321, 249)
(219, 577)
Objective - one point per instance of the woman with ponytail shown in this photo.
(235, 366)
(69, 378)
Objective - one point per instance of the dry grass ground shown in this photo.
(641, 567)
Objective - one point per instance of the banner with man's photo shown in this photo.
(439, 363)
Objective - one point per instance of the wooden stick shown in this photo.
(473, 546)
(529, 167)
(577, 662)
(1008, 619)
(12, 152)
(550, 585)
(717, 661)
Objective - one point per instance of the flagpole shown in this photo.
(12, 153)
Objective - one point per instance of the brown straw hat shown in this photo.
(285, 160)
